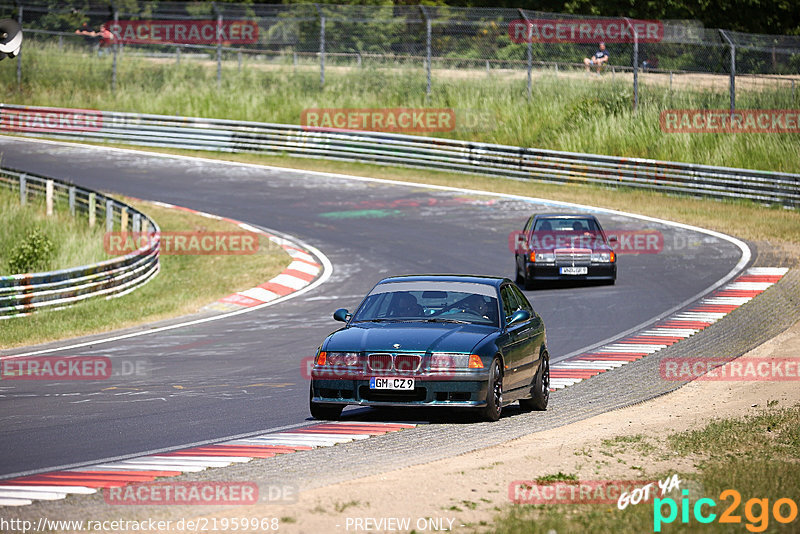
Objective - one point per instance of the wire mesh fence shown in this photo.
(441, 44)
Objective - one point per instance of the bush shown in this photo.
(33, 254)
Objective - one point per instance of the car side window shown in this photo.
(521, 299)
(510, 304)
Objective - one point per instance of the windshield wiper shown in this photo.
(440, 320)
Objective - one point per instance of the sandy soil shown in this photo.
(470, 488)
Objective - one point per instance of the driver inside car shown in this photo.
(477, 305)
(406, 305)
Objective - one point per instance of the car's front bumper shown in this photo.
(595, 271)
(463, 391)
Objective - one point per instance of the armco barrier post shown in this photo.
(92, 206)
(72, 200)
(137, 223)
(123, 219)
(109, 215)
(23, 189)
(48, 196)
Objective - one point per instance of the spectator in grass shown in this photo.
(599, 58)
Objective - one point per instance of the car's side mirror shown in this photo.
(519, 316)
(341, 315)
(612, 239)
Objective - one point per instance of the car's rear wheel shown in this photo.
(494, 394)
(540, 389)
(330, 412)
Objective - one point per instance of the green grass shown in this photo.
(75, 242)
(184, 285)
(566, 112)
(755, 455)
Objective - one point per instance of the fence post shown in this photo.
(321, 46)
(427, 50)
(635, 65)
(733, 70)
(48, 197)
(137, 222)
(19, 56)
(530, 49)
(239, 59)
(23, 189)
(109, 215)
(123, 219)
(177, 55)
(116, 50)
(219, 45)
(72, 200)
(92, 209)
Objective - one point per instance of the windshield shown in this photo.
(567, 232)
(429, 304)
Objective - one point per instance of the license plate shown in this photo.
(574, 270)
(391, 383)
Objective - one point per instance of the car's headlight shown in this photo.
(545, 257)
(340, 359)
(603, 257)
(441, 361)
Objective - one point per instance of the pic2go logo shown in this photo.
(758, 521)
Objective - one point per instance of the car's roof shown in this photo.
(564, 216)
(467, 278)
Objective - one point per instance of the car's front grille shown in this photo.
(573, 255)
(407, 362)
(402, 363)
(380, 362)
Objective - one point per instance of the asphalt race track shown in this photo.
(243, 374)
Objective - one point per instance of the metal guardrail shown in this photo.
(22, 294)
(402, 150)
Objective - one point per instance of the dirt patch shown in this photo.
(468, 490)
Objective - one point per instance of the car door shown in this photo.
(515, 349)
(535, 333)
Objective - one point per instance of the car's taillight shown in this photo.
(321, 358)
(533, 255)
(613, 257)
(475, 362)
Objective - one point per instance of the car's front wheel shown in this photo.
(330, 412)
(494, 394)
(540, 389)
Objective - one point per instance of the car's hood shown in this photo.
(410, 336)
